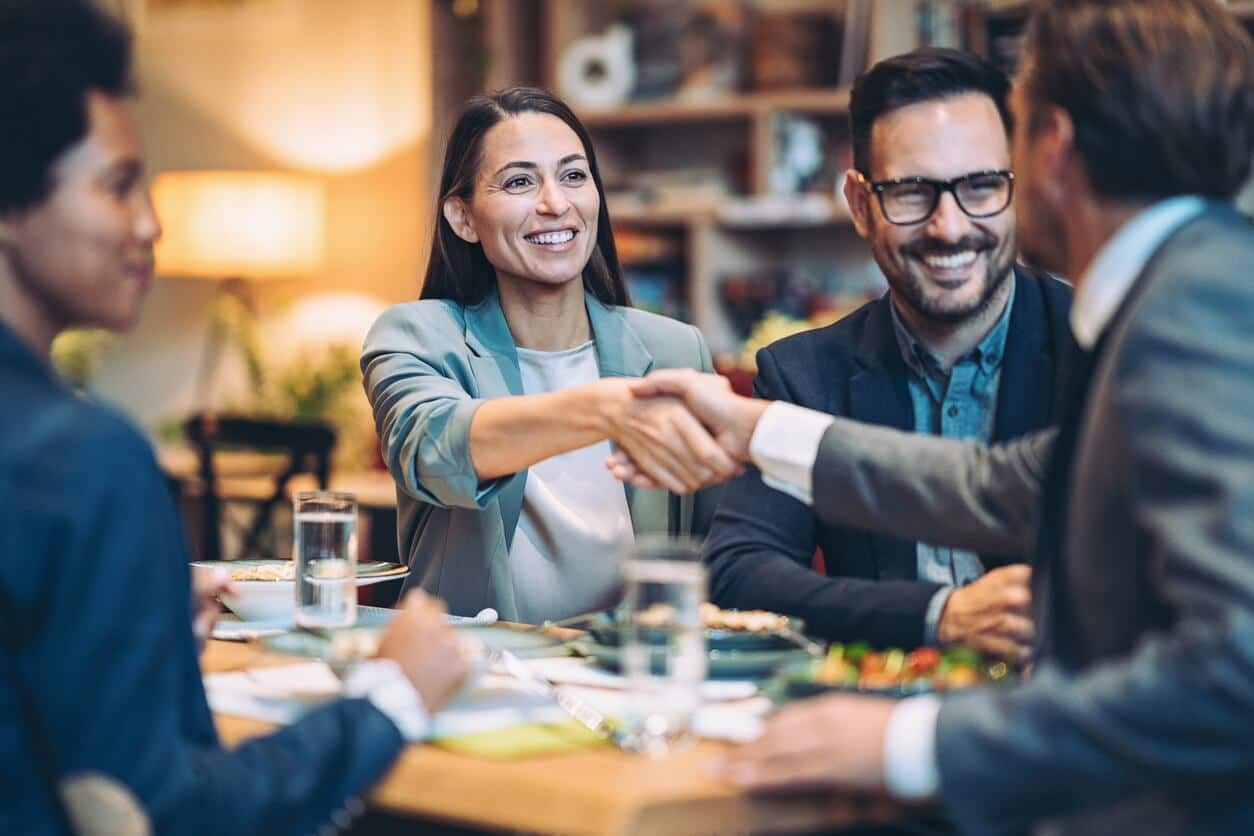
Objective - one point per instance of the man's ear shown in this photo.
(8, 229)
(1053, 154)
(455, 212)
(859, 201)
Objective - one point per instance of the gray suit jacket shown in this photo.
(1140, 717)
(428, 365)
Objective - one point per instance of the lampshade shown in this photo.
(227, 224)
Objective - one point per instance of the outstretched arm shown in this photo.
(938, 490)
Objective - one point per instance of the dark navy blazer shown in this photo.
(762, 541)
(99, 679)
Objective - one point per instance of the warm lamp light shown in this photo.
(233, 227)
(226, 224)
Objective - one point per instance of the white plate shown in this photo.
(276, 600)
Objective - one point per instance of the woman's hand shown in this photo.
(665, 441)
(709, 401)
(206, 587)
(428, 651)
(660, 436)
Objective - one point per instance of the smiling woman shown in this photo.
(498, 394)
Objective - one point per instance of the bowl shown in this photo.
(275, 600)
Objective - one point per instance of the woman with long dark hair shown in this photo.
(498, 393)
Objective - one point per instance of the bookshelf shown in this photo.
(689, 178)
(696, 172)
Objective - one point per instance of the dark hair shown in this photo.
(459, 270)
(1160, 92)
(52, 53)
(923, 75)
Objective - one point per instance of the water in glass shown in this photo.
(325, 551)
(663, 649)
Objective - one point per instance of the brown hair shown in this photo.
(1161, 92)
(924, 75)
(459, 270)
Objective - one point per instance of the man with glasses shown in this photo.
(1134, 131)
(965, 344)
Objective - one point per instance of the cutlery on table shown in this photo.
(583, 713)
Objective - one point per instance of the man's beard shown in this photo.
(911, 289)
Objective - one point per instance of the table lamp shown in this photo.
(233, 227)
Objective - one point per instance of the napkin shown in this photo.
(496, 705)
(230, 628)
(571, 670)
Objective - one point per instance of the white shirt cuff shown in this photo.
(910, 769)
(935, 609)
(383, 683)
(785, 445)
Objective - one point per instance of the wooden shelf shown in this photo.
(1243, 9)
(660, 217)
(816, 213)
(833, 101)
(1000, 8)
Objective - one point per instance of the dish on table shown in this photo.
(265, 590)
(720, 663)
(724, 629)
(341, 646)
(891, 672)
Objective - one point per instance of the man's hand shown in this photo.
(206, 587)
(666, 443)
(729, 417)
(420, 640)
(992, 615)
(835, 741)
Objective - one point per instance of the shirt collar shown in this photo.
(988, 353)
(1119, 262)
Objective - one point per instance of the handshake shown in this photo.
(682, 430)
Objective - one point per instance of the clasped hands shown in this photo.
(683, 430)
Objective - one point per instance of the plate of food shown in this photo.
(724, 629)
(891, 672)
(265, 590)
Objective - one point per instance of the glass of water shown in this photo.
(663, 649)
(324, 548)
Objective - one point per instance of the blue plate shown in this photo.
(721, 664)
(608, 632)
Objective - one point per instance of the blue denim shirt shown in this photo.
(959, 404)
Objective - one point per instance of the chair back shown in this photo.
(307, 445)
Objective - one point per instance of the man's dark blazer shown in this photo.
(102, 708)
(761, 542)
(1139, 718)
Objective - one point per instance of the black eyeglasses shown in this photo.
(912, 200)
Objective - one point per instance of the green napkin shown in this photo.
(525, 740)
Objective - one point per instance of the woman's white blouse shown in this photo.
(575, 525)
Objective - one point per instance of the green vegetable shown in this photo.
(894, 661)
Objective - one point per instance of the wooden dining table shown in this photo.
(592, 791)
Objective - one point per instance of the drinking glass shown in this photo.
(324, 548)
(663, 642)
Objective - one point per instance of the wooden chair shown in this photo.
(307, 445)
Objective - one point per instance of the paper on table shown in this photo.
(230, 628)
(569, 670)
(282, 694)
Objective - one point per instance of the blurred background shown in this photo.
(295, 144)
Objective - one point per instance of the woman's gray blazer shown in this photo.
(428, 365)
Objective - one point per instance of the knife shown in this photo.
(583, 713)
